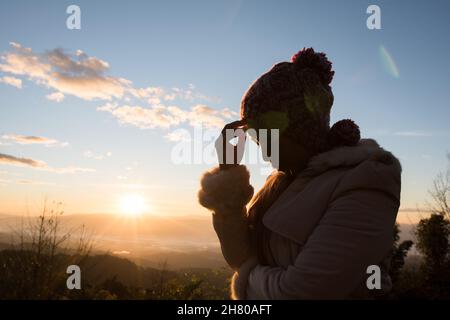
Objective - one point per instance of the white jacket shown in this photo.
(325, 232)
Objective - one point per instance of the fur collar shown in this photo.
(300, 207)
(366, 149)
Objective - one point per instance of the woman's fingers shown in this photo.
(234, 125)
(240, 145)
(228, 153)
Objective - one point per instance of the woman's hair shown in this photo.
(261, 202)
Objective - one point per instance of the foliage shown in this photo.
(440, 192)
(34, 266)
(399, 254)
(432, 240)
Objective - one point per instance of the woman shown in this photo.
(325, 215)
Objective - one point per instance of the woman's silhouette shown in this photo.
(325, 215)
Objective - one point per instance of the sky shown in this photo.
(94, 118)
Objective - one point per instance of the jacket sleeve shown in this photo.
(226, 193)
(354, 233)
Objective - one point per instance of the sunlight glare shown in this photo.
(132, 204)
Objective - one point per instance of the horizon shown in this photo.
(405, 216)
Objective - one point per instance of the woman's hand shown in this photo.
(230, 155)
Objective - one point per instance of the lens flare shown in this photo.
(389, 63)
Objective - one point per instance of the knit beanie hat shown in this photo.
(296, 98)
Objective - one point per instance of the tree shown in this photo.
(35, 267)
(399, 253)
(432, 241)
(115, 288)
(440, 192)
(433, 233)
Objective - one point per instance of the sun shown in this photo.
(132, 204)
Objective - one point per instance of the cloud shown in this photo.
(12, 160)
(149, 92)
(413, 134)
(37, 164)
(190, 94)
(76, 74)
(121, 252)
(107, 107)
(209, 117)
(22, 61)
(165, 117)
(12, 81)
(90, 154)
(83, 76)
(20, 139)
(55, 96)
(178, 135)
(144, 118)
(33, 182)
(88, 78)
(70, 170)
(154, 95)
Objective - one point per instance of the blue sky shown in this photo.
(211, 51)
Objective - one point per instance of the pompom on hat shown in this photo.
(344, 133)
(300, 91)
(308, 58)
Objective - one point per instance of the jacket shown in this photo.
(331, 223)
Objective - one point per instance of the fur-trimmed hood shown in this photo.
(367, 149)
(329, 175)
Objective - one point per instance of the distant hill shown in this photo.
(182, 231)
(181, 241)
(99, 268)
(179, 260)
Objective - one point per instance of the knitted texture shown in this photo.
(301, 90)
